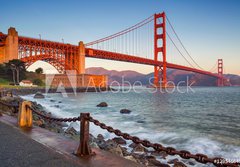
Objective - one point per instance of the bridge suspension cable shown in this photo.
(171, 25)
(136, 40)
(214, 68)
(136, 26)
(179, 50)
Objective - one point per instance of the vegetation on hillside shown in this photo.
(14, 71)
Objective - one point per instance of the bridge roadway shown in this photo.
(41, 148)
(101, 54)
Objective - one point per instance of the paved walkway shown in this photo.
(39, 147)
(17, 150)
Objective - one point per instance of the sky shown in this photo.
(209, 29)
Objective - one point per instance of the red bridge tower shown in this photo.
(160, 34)
(220, 72)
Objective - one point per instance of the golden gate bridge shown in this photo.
(144, 43)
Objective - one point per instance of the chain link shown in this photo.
(74, 119)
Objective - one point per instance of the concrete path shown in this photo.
(39, 147)
(17, 150)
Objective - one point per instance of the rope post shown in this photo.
(84, 148)
(25, 115)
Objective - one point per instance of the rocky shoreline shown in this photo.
(117, 145)
(33, 90)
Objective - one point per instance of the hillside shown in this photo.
(173, 75)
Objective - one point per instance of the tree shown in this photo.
(39, 70)
(38, 82)
(16, 69)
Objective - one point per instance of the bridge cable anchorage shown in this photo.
(138, 25)
(179, 50)
(182, 44)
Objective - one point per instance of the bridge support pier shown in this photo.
(81, 58)
(160, 23)
(10, 49)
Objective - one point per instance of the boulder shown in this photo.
(125, 111)
(102, 104)
(57, 106)
(131, 158)
(153, 162)
(100, 137)
(179, 164)
(125, 151)
(173, 161)
(162, 154)
(71, 131)
(38, 95)
(132, 145)
(1, 114)
(119, 140)
(139, 148)
(41, 123)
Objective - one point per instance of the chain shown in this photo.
(74, 119)
(169, 150)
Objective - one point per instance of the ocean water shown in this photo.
(205, 120)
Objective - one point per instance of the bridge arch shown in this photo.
(57, 64)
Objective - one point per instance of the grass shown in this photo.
(4, 81)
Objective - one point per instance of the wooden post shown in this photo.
(25, 114)
(84, 148)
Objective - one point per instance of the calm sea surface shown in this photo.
(206, 120)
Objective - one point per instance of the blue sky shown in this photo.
(208, 28)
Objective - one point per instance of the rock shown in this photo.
(1, 114)
(179, 164)
(162, 154)
(110, 146)
(116, 150)
(57, 106)
(141, 121)
(100, 137)
(139, 148)
(71, 131)
(52, 100)
(119, 140)
(131, 158)
(125, 111)
(191, 163)
(59, 102)
(155, 162)
(41, 123)
(173, 161)
(75, 125)
(140, 159)
(125, 152)
(102, 104)
(39, 95)
(133, 145)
